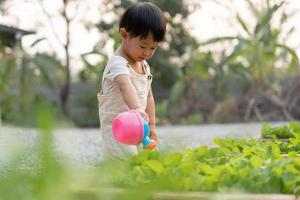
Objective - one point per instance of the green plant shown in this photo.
(244, 165)
(283, 132)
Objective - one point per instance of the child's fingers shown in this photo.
(143, 114)
(146, 117)
(153, 135)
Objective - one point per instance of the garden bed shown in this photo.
(117, 193)
(253, 166)
(219, 196)
(261, 169)
(282, 133)
(94, 193)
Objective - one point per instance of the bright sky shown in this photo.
(29, 16)
(210, 20)
(216, 20)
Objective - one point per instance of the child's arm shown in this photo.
(150, 110)
(129, 94)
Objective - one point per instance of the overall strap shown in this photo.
(147, 70)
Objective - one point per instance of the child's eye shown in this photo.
(142, 47)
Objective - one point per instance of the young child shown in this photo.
(126, 81)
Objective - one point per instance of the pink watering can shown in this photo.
(131, 129)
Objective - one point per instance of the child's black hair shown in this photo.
(143, 18)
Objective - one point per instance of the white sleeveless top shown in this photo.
(111, 103)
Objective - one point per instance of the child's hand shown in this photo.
(143, 114)
(153, 132)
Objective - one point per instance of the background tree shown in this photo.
(27, 80)
(262, 60)
(255, 76)
(65, 90)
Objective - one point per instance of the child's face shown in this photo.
(139, 49)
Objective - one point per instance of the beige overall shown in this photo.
(111, 104)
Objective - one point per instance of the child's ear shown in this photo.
(123, 33)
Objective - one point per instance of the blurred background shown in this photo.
(222, 61)
(234, 62)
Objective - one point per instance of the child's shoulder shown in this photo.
(116, 65)
(117, 60)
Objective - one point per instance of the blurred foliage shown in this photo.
(254, 77)
(256, 59)
(25, 82)
(41, 176)
(83, 98)
(225, 111)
